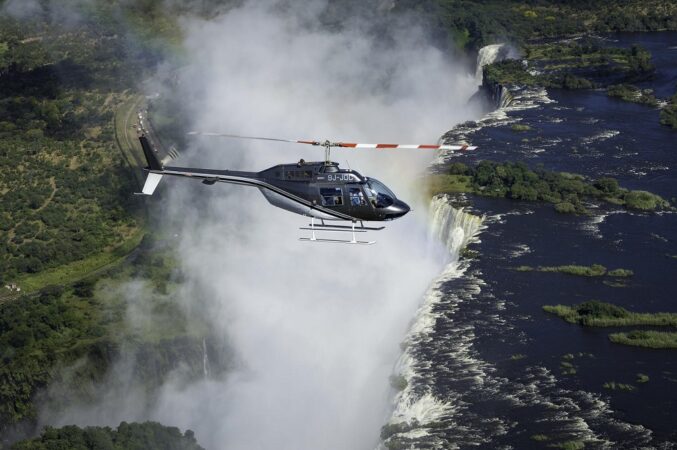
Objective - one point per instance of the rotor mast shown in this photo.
(327, 151)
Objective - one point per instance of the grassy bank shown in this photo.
(77, 270)
(599, 314)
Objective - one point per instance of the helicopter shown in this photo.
(320, 190)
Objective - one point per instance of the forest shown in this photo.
(88, 323)
(471, 24)
(127, 436)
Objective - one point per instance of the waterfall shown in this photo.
(415, 407)
(205, 358)
(454, 227)
(487, 55)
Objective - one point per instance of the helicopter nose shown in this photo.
(397, 209)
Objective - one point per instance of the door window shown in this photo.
(357, 197)
(332, 196)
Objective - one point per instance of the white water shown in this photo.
(487, 55)
(455, 228)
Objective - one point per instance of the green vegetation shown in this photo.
(567, 368)
(648, 339)
(644, 201)
(448, 184)
(65, 190)
(515, 180)
(596, 270)
(620, 273)
(669, 113)
(599, 314)
(539, 437)
(569, 445)
(77, 270)
(519, 127)
(613, 386)
(472, 24)
(147, 435)
(631, 93)
(642, 378)
(579, 64)
(517, 357)
(40, 335)
(468, 253)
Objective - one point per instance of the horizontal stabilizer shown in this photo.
(152, 181)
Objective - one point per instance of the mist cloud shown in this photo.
(316, 328)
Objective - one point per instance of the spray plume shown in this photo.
(315, 328)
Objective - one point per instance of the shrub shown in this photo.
(565, 208)
(620, 273)
(644, 201)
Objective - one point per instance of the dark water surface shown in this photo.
(501, 401)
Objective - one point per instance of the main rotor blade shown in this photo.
(200, 133)
(404, 146)
(343, 144)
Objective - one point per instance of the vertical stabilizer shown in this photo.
(151, 156)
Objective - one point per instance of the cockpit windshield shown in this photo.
(379, 194)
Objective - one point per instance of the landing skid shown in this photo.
(313, 228)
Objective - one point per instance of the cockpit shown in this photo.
(379, 194)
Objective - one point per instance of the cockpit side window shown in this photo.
(331, 196)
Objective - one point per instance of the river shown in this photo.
(483, 362)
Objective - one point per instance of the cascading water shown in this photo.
(205, 359)
(415, 406)
(487, 55)
(452, 226)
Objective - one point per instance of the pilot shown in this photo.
(301, 162)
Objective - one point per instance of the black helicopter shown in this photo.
(320, 190)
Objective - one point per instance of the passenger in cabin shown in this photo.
(356, 197)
